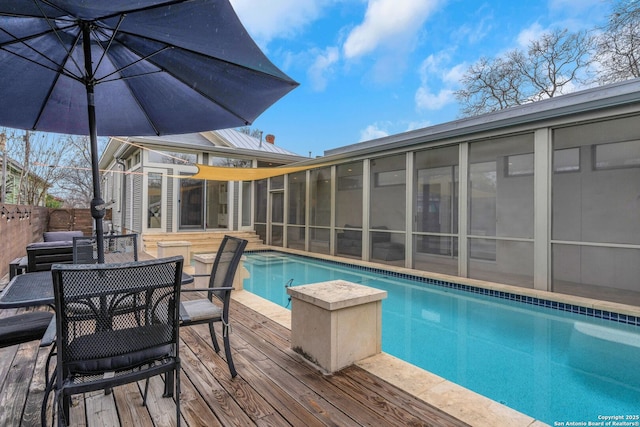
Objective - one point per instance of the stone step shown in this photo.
(201, 242)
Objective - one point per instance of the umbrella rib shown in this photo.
(57, 68)
(75, 42)
(105, 78)
(113, 35)
(30, 37)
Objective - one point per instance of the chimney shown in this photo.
(271, 139)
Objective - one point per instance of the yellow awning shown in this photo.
(219, 173)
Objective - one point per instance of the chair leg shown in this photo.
(177, 395)
(212, 332)
(168, 384)
(47, 366)
(227, 351)
(146, 389)
(45, 400)
(63, 402)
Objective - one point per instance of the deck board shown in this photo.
(274, 387)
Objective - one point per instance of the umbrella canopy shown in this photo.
(130, 67)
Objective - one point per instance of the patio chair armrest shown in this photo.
(200, 275)
(184, 315)
(49, 336)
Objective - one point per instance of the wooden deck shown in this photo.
(274, 387)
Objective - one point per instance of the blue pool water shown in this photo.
(553, 365)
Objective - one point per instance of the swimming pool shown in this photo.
(549, 363)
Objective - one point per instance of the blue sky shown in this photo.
(371, 68)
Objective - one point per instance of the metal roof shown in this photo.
(189, 139)
(242, 140)
(225, 142)
(228, 137)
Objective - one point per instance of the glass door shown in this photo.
(246, 208)
(155, 203)
(191, 204)
(277, 217)
(216, 208)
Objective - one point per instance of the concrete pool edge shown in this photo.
(461, 403)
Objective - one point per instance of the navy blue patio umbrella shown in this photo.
(130, 67)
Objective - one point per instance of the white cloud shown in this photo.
(277, 18)
(322, 68)
(372, 132)
(474, 32)
(526, 36)
(435, 74)
(426, 100)
(454, 75)
(432, 64)
(387, 22)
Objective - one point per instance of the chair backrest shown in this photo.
(94, 333)
(117, 248)
(226, 263)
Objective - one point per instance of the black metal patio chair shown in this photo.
(215, 307)
(104, 347)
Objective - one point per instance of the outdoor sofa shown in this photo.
(57, 248)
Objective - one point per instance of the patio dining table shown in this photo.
(36, 289)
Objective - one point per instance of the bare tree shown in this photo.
(76, 183)
(556, 61)
(618, 46)
(52, 164)
(490, 85)
(256, 133)
(37, 152)
(549, 67)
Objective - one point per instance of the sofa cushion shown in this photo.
(60, 236)
(54, 244)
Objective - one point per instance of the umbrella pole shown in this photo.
(97, 204)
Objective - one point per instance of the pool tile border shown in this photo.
(540, 302)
